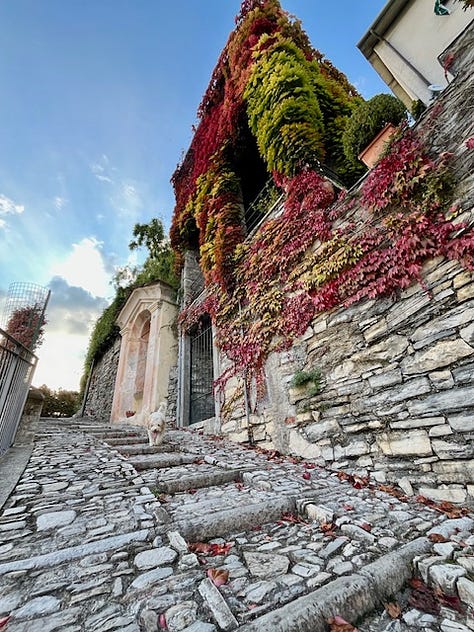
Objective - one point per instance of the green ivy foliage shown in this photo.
(283, 111)
(367, 120)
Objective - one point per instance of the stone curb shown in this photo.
(229, 520)
(12, 466)
(350, 597)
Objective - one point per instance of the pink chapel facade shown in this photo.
(148, 352)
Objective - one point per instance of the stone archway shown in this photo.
(147, 354)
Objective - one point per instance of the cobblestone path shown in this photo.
(105, 533)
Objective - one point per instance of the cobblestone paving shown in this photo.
(103, 533)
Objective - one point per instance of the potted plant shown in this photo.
(370, 126)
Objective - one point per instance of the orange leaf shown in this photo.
(394, 610)
(338, 624)
(437, 537)
(218, 576)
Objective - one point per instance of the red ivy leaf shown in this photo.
(218, 576)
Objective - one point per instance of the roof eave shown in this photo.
(381, 24)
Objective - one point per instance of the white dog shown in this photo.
(156, 425)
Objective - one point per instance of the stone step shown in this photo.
(49, 560)
(136, 448)
(198, 481)
(158, 461)
(121, 439)
(242, 518)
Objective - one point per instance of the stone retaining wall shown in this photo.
(396, 397)
(102, 384)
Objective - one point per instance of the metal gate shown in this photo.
(202, 372)
(17, 365)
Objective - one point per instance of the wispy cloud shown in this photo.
(102, 170)
(8, 207)
(59, 202)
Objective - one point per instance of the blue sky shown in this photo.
(97, 102)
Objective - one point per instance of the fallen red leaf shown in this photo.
(221, 549)
(451, 601)
(199, 547)
(290, 517)
(338, 624)
(208, 549)
(423, 598)
(394, 610)
(360, 481)
(437, 537)
(218, 576)
(327, 526)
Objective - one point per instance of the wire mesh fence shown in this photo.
(24, 312)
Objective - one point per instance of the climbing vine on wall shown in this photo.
(319, 253)
(295, 104)
(314, 258)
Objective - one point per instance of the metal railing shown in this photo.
(17, 365)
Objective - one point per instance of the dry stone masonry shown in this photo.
(102, 383)
(396, 396)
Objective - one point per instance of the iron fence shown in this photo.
(17, 365)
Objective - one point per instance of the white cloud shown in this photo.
(60, 361)
(85, 267)
(8, 207)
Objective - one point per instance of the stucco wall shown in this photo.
(415, 40)
(397, 374)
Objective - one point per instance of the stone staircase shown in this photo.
(235, 500)
(105, 533)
